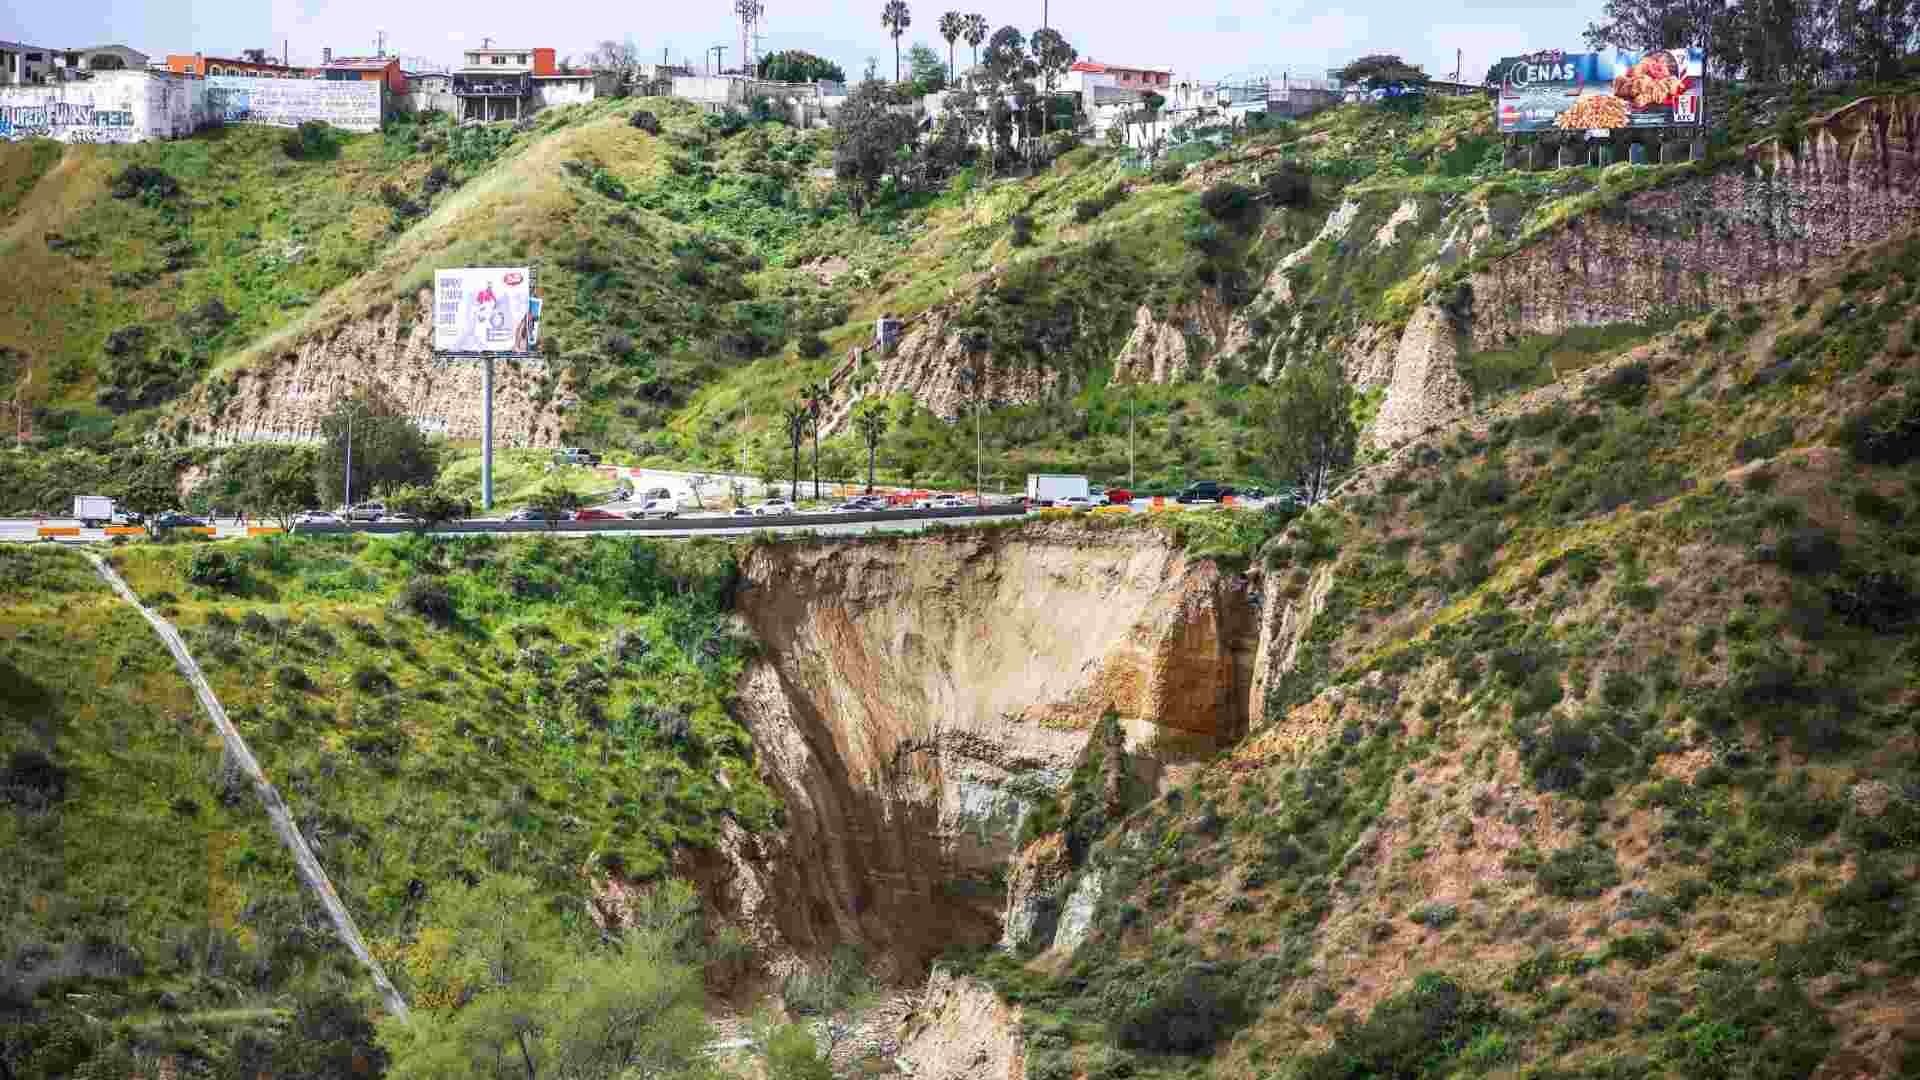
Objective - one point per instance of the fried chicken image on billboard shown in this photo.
(1652, 81)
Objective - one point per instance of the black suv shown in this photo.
(1204, 491)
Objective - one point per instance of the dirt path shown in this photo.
(310, 870)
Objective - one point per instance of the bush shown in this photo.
(289, 677)
(214, 569)
(1168, 172)
(1022, 230)
(428, 598)
(1412, 1035)
(1187, 1012)
(1229, 202)
(1290, 185)
(813, 346)
(32, 780)
(144, 182)
(1581, 872)
(1087, 209)
(1886, 434)
(371, 680)
(645, 121)
(793, 1055)
(1622, 386)
(313, 140)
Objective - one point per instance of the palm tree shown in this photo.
(815, 396)
(896, 19)
(798, 417)
(976, 33)
(871, 422)
(952, 25)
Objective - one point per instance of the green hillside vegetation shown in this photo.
(431, 711)
(1597, 761)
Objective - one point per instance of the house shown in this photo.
(385, 69)
(22, 64)
(507, 84)
(266, 67)
(1085, 75)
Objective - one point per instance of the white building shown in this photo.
(27, 65)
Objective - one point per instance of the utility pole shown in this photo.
(352, 408)
(1130, 479)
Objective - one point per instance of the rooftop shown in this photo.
(1096, 67)
(361, 63)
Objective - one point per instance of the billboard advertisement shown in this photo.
(486, 309)
(1601, 91)
(241, 99)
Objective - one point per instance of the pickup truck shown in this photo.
(575, 455)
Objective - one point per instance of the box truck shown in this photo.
(93, 510)
(1045, 489)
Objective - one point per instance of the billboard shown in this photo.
(486, 309)
(1601, 91)
(242, 99)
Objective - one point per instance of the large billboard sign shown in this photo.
(241, 99)
(485, 309)
(1602, 91)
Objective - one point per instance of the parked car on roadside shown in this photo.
(595, 513)
(950, 502)
(1075, 502)
(774, 507)
(316, 517)
(1204, 491)
(575, 455)
(1119, 496)
(539, 513)
(661, 509)
(367, 511)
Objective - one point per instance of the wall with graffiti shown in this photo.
(110, 107)
(350, 106)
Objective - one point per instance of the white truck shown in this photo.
(1046, 489)
(93, 510)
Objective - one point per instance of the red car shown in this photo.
(594, 513)
(1119, 496)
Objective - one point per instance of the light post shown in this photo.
(1130, 480)
(971, 378)
(352, 407)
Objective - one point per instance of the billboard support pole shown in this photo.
(486, 432)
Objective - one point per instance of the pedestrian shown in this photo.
(240, 519)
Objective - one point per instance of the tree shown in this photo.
(266, 480)
(1310, 432)
(554, 498)
(976, 32)
(798, 65)
(617, 56)
(1053, 56)
(429, 506)
(871, 138)
(896, 19)
(952, 25)
(816, 395)
(797, 417)
(927, 74)
(1383, 69)
(871, 421)
(503, 989)
(145, 482)
(388, 450)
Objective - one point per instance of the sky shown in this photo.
(1205, 39)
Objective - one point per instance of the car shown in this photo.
(740, 512)
(950, 502)
(1075, 502)
(655, 493)
(1203, 491)
(595, 513)
(1119, 496)
(399, 517)
(774, 507)
(575, 455)
(367, 511)
(174, 519)
(656, 508)
(316, 517)
(538, 513)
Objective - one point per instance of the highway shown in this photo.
(26, 530)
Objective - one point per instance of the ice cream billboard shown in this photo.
(1601, 91)
(485, 309)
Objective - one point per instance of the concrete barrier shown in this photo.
(59, 530)
(125, 530)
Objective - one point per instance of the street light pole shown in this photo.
(1130, 480)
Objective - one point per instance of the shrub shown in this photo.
(1087, 209)
(144, 182)
(32, 780)
(1187, 1012)
(428, 598)
(1623, 385)
(645, 121)
(1435, 916)
(371, 680)
(289, 677)
(313, 140)
(1808, 551)
(1888, 433)
(1168, 172)
(1229, 202)
(1414, 1034)
(1581, 872)
(1290, 185)
(813, 346)
(214, 569)
(1022, 230)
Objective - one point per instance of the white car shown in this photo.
(316, 517)
(1075, 502)
(740, 512)
(367, 511)
(950, 502)
(656, 508)
(774, 508)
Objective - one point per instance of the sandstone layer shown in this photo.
(913, 698)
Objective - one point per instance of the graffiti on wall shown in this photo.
(68, 121)
(350, 106)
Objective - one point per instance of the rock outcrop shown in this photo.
(1194, 340)
(912, 698)
(963, 1031)
(284, 399)
(933, 364)
(1425, 388)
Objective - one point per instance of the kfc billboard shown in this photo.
(483, 310)
(1602, 91)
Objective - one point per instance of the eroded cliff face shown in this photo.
(933, 364)
(914, 697)
(285, 399)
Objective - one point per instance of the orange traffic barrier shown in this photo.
(263, 530)
(1226, 500)
(1159, 503)
(204, 530)
(59, 530)
(125, 530)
